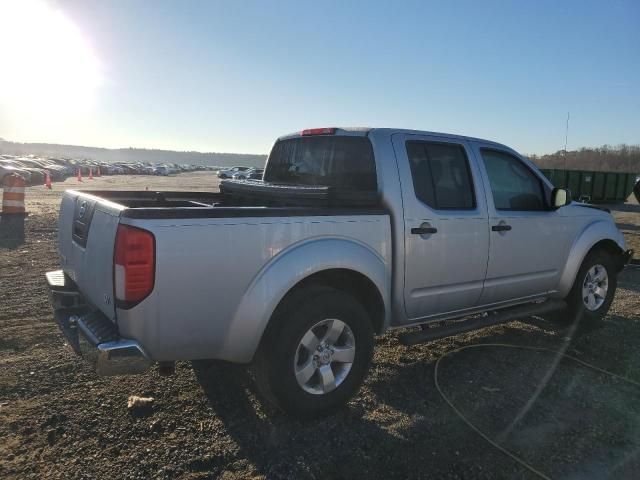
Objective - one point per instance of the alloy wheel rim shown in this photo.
(595, 287)
(324, 356)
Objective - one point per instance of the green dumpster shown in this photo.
(598, 184)
(594, 187)
(574, 184)
(609, 187)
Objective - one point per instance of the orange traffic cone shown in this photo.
(90, 174)
(47, 180)
(79, 174)
(98, 172)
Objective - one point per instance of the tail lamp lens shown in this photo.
(134, 264)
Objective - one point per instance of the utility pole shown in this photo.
(566, 138)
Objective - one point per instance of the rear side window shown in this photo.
(441, 175)
(336, 161)
(513, 184)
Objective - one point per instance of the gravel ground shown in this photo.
(627, 216)
(58, 420)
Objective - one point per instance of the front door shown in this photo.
(445, 222)
(528, 241)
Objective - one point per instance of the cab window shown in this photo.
(335, 161)
(441, 175)
(513, 185)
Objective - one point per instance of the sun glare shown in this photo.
(46, 65)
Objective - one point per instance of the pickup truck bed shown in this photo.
(155, 205)
(217, 269)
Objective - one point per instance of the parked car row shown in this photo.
(34, 169)
(241, 173)
(251, 174)
(138, 168)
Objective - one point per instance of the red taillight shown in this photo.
(134, 264)
(319, 131)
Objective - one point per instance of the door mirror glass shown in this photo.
(560, 197)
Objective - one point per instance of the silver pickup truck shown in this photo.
(351, 232)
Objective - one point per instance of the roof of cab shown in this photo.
(366, 131)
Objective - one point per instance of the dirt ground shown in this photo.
(58, 420)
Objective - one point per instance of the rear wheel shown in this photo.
(316, 352)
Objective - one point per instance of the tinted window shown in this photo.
(441, 175)
(323, 160)
(514, 186)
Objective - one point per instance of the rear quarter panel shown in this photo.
(219, 280)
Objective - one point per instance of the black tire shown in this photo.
(273, 366)
(576, 311)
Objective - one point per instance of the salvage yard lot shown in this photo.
(58, 420)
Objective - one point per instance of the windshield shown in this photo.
(337, 161)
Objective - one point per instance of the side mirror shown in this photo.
(560, 197)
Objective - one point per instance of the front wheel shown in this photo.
(316, 353)
(594, 288)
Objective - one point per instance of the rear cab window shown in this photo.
(336, 161)
(441, 175)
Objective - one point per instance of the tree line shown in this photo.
(607, 158)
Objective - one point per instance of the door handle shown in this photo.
(501, 228)
(424, 230)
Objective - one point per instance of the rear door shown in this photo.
(445, 222)
(529, 243)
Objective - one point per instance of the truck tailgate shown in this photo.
(87, 231)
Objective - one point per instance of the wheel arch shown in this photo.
(345, 280)
(336, 262)
(608, 245)
(597, 235)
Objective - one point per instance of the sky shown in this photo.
(231, 76)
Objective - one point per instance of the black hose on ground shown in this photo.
(559, 355)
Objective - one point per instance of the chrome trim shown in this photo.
(108, 353)
(122, 357)
(119, 357)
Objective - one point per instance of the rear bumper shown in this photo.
(92, 335)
